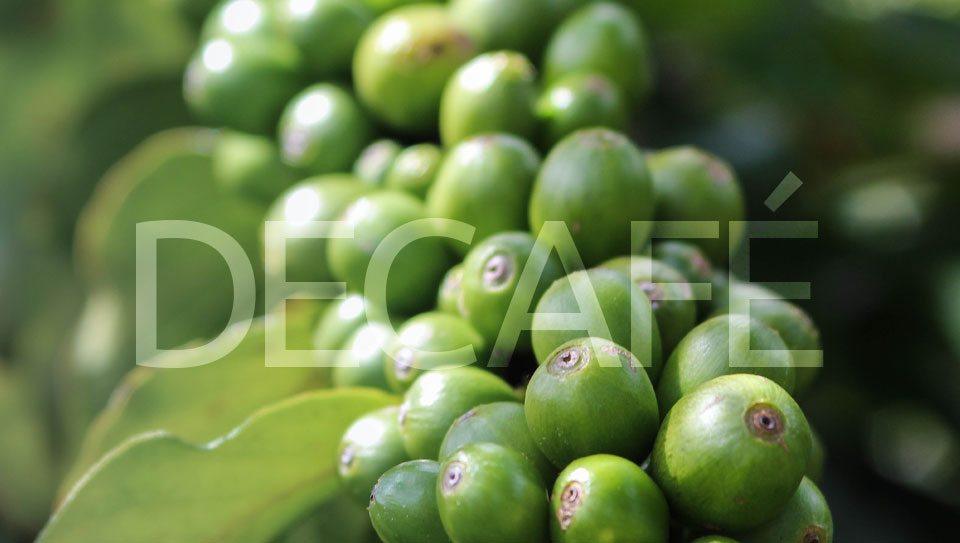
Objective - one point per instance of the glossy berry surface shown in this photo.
(502, 423)
(724, 345)
(597, 182)
(403, 504)
(591, 396)
(487, 492)
(439, 397)
(402, 64)
(371, 446)
(731, 454)
(242, 83)
(614, 309)
(323, 130)
(485, 182)
(430, 341)
(606, 499)
(494, 92)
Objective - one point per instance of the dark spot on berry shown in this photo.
(814, 534)
(452, 476)
(435, 49)
(570, 500)
(347, 456)
(598, 85)
(403, 363)
(719, 171)
(701, 265)
(497, 271)
(624, 356)
(569, 360)
(654, 293)
(765, 422)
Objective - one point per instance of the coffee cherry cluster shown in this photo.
(568, 373)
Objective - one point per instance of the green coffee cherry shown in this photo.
(818, 457)
(250, 165)
(370, 446)
(321, 198)
(494, 92)
(434, 335)
(504, 24)
(363, 358)
(720, 346)
(502, 423)
(693, 185)
(449, 298)
(795, 327)
(669, 292)
(403, 62)
(487, 492)
(624, 308)
(339, 321)
(591, 396)
(606, 38)
(419, 265)
(485, 181)
(730, 291)
(403, 504)
(580, 100)
(805, 519)
(242, 84)
(414, 169)
(491, 276)
(605, 498)
(730, 454)
(714, 539)
(323, 130)
(686, 258)
(375, 160)
(241, 19)
(597, 182)
(326, 31)
(439, 397)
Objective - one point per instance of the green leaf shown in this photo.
(26, 462)
(200, 403)
(247, 486)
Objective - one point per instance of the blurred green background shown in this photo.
(859, 98)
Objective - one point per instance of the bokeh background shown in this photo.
(859, 98)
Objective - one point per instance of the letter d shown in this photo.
(244, 293)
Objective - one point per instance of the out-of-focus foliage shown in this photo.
(917, 448)
(948, 297)
(83, 82)
(872, 9)
(860, 98)
(25, 474)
